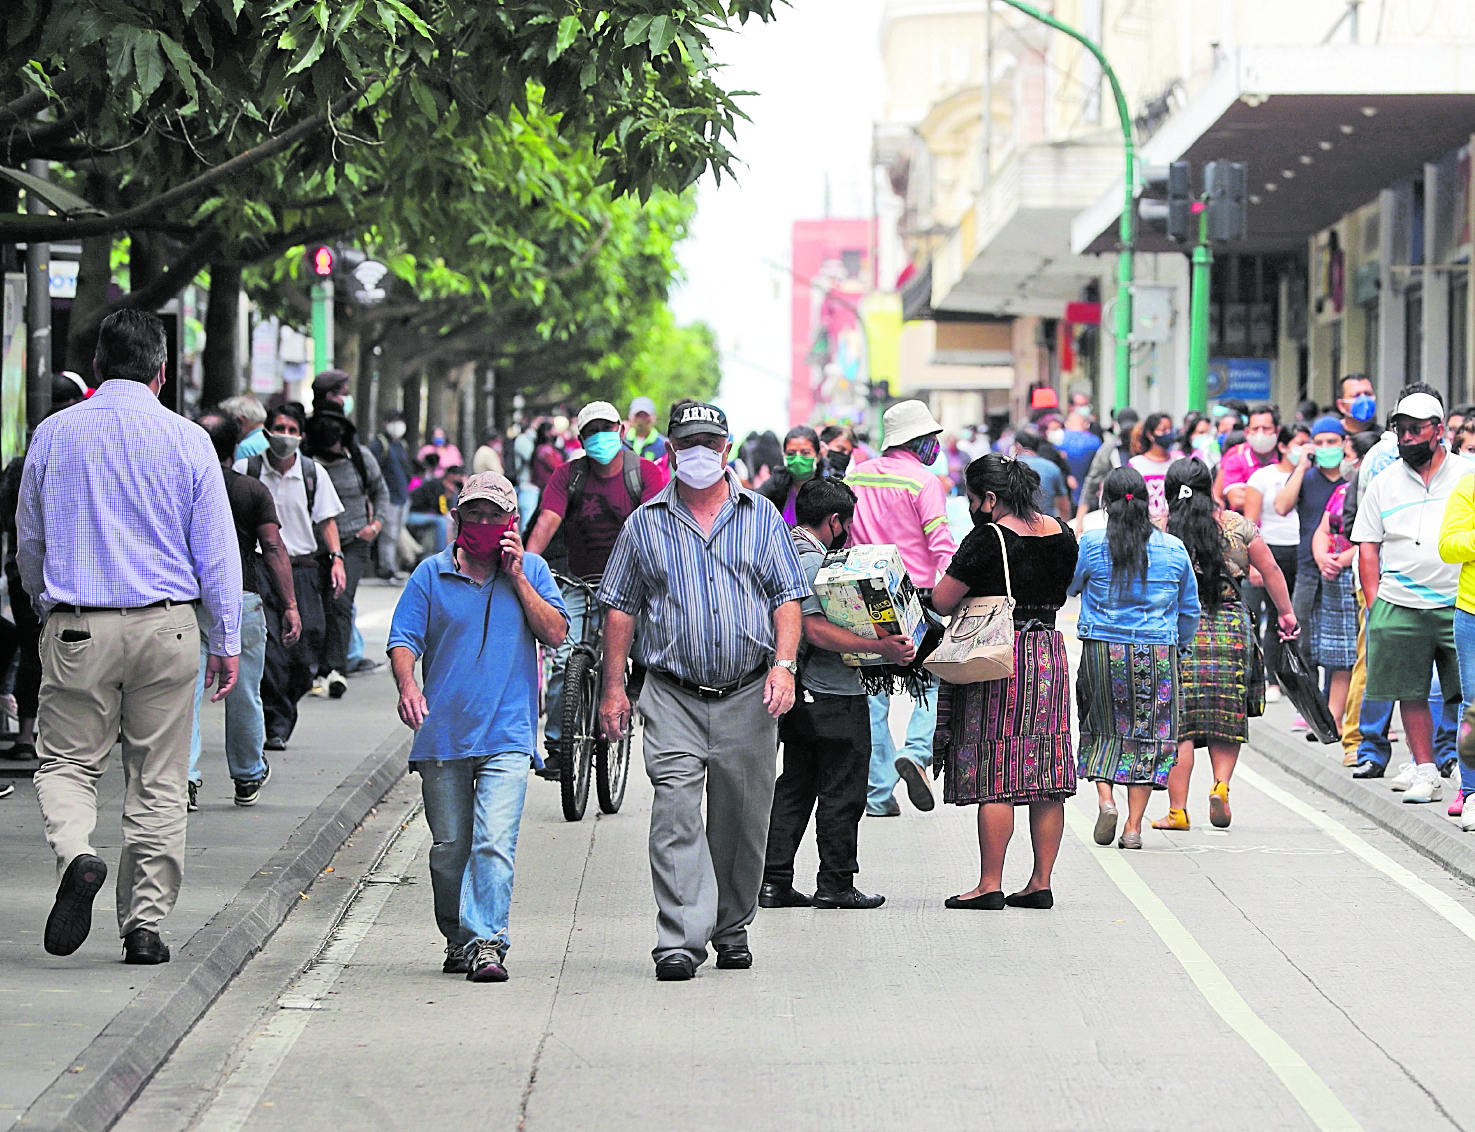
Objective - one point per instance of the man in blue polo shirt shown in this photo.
(473, 616)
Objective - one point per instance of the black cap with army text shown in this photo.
(695, 418)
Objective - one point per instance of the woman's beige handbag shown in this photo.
(979, 644)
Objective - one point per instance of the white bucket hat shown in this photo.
(905, 421)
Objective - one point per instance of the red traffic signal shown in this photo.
(320, 261)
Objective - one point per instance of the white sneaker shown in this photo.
(1426, 787)
(1406, 776)
(337, 685)
(1272, 694)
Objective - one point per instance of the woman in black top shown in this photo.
(1006, 743)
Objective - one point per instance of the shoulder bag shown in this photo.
(979, 643)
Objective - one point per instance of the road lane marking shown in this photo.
(1304, 1084)
(238, 1098)
(1441, 902)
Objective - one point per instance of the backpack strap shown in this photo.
(310, 482)
(634, 484)
(577, 475)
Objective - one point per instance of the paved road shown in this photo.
(1288, 974)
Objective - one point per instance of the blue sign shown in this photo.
(1246, 378)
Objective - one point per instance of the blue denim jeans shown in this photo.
(418, 521)
(245, 726)
(355, 639)
(474, 809)
(1465, 646)
(1376, 717)
(917, 747)
(576, 601)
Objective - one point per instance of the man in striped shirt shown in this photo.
(708, 572)
(899, 501)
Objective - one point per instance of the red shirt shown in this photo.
(603, 508)
(1241, 462)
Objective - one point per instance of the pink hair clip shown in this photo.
(1127, 496)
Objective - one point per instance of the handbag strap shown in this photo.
(1004, 550)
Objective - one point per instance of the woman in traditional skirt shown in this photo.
(1006, 743)
(1222, 685)
(1139, 606)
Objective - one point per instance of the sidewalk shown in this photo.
(85, 1031)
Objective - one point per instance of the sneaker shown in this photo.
(6, 789)
(337, 685)
(319, 686)
(484, 962)
(364, 665)
(1457, 807)
(1427, 787)
(1447, 767)
(1467, 820)
(455, 963)
(1299, 724)
(194, 796)
(1406, 776)
(275, 743)
(248, 790)
(1272, 694)
(552, 768)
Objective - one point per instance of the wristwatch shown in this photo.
(332, 554)
(792, 666)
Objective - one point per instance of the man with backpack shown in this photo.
(588, 499)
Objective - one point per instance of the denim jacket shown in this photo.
(1163, 612)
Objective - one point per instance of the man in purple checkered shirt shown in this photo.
(124, 528)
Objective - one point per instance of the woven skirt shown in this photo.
(1215, 679)
(1333, 642)
(1009, 740)
(1127, 698)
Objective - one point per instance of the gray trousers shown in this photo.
(707, 878)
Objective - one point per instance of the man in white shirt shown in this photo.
(305, 498)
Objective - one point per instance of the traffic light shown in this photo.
(1224, 185)
(320, 261)
(1165, 202)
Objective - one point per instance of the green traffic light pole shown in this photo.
(1198, 315)
(322, 325)
(1123, 332)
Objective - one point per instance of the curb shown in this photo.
(92, 1092)
(1422, 828)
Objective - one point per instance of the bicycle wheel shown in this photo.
(580, 735)
(611, 772)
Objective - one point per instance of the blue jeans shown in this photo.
(1465, 646)
(474, 808)
(440, 525)
(245, 726)
(1376, 717)
(355, 639)
(576, 601)
(918, 745)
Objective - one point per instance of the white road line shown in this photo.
(1304, 1084)
(1446, 905)
(239, 1096)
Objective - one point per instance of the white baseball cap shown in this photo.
(596, 411)
(642, 405)
(1419, 407)
(905, 421)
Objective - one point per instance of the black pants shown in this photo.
(27, 686)
(288, 673)
(338, 611)
(827, 755)
(1258, 599)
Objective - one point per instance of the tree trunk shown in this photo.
(145, 258)
(219, 378)
(94, 273)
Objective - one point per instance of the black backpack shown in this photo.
(309, 478)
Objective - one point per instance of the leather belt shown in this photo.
(166, 603)
(721, 691)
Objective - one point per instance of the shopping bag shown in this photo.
(979, 643)
(1298, 682)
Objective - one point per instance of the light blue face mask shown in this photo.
(603, 446)
(348, 405)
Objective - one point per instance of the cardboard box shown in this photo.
(866, 590)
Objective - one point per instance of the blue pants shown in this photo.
(245, 726)
(917, 747)
(355, 639)
(576, 601)
(474, 808)
(439, 525)
(1376, 716)
(1465, 646)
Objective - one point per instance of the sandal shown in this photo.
(1175, 819)
(1219, 815)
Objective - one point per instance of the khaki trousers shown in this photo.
(1352, 718)
(136, 670)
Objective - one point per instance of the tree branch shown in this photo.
(172, 280)
(33, 101)
(578, 264)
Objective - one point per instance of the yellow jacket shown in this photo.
(1457, 539)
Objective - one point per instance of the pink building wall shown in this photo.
(818, 254)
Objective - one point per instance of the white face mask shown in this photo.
(699, 467)
(394, 429)
(1262, 442)
(1294, 454)
(1056, 436)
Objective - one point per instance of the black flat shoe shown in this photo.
(275, 743)
(143, 946)
(1039, 898)
(71, 916)
(773, 895)
(734, 958)
(850, 898)
(1368, 770)
(983, 902)
(675, 968)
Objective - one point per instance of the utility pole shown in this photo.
(320, 263)
(38, 312)
(1198, 314)
(1123, 320)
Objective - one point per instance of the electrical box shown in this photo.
(1152, 311)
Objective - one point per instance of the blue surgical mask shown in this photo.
(603, 446)
(348, 405)
(1364, 408)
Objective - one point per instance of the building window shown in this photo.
(1459, 338)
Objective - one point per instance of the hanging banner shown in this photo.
(13, 371)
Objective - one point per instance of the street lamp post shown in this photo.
(1128, 222)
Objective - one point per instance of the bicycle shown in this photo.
(586, 753)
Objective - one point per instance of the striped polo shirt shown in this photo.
(703, 603)
(1403, 513)
(900, 502)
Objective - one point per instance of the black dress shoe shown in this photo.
(1039, 898)
(851, 898)
(144, 947)
(676, 968)
(1368, 770)
(983, 902)
(552, 768)
(71, 915)
(275, 743)
(736, 957)
(774, 895)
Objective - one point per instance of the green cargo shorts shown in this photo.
(1404, 645)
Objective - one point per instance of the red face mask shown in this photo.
(483, 541)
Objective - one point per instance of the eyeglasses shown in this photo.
(1411, 428)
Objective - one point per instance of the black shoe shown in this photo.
(983, 902)
(1368, 770)
(71, 915)
(363, 666)
(6, 789)
(735, 957)
(774, 895)
(918, 791)
(1447, 767)
(456, 962)
(851, 898)
(337, 685)
(485, 962)
(248, 791)
(552, 767)
(21, 753)
(144, 947)
(1039, 898)
(891, 808)
(194, 796)
(675, 968)
(275, 743)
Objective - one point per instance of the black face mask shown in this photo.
(1417, 456)
(982, 518)
(838, 461)
(839, 540)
